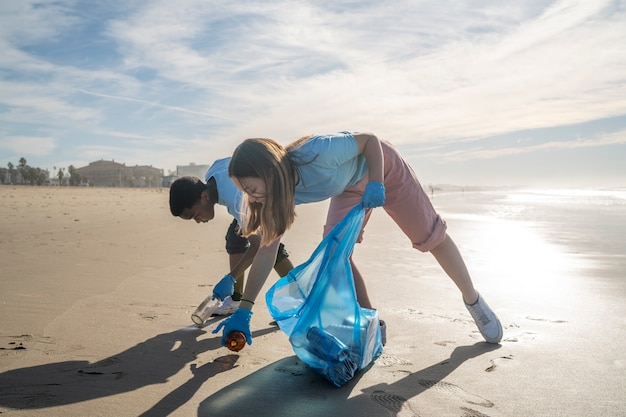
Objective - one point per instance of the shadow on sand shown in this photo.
(289, 388)
(147, 363)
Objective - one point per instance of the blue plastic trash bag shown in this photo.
(316, 306)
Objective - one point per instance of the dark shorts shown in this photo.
(235, 243)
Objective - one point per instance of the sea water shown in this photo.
(588, 222)
(594, 219)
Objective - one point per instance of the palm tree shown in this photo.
(11, 172)
(61, 174)
(21, 169)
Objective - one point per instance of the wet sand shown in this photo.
(98, 285)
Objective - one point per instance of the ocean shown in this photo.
(553, 246)
(583, 221)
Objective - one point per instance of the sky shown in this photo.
(489, 92)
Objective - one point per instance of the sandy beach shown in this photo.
(97, 287)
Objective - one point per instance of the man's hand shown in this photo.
(224, 288)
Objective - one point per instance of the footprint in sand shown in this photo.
(468, 412)
(514, 333)
(294, 369)
(21, 342)
(545, 320)
(386, 360)
(455, 391)
(495, 362)
(14, 346)
(94, 369)
(521, 337)
(114, 375)
(394, 403)
(148, 316)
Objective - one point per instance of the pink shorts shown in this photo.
(406, 203)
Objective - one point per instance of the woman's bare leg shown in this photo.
(359, 285)
(450, 259)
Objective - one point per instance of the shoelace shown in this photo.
(482, 315)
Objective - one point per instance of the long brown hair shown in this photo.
(268, 160)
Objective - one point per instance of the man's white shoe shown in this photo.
(227, 307)
(486, 320)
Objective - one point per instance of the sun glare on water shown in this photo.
(516, 255)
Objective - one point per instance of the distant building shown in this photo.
(113, 174)
(168, 180)
(192, 170)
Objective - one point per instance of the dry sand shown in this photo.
(97, 286)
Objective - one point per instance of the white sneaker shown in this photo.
(227, 307)
(486, 320)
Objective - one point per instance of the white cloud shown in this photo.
(40, 102)
(608, 139)
(26, 23)
(27, 146)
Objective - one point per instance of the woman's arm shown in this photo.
(369, 146)
(262, 266)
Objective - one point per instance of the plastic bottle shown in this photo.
(347, 333)
(341, 364)
(235, 341)
(205, 310)
(326, 346)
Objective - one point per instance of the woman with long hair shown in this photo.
(348, 168)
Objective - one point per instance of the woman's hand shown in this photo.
(239, 321)
(374, 195)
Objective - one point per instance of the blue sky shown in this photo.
(501, 92)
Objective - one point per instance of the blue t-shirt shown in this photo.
(228, 194)
(327, 165)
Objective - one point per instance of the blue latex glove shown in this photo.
(374, 195)
(225, 287)
(239, 321)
